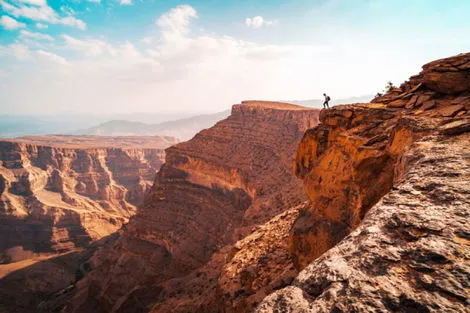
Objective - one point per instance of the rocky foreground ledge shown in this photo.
(395, 172)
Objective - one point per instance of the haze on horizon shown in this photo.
(125, 56)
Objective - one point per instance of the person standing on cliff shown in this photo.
(327, 99)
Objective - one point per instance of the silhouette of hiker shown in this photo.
(327, 99)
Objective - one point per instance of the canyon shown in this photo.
(61, 194)
(281, 208)
(383, 228)
(211, 191)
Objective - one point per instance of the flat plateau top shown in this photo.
(84, 142)
(275, 105)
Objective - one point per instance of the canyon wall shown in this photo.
(58, 193)
(212, 191)
(386, 228)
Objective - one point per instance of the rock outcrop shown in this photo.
(63, 192)
(211, 191)
(386, 228)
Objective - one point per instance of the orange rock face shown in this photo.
(388, 180)
(60, 196)
(353, 157)
(337, 162)
(210, 192)
(448, 76)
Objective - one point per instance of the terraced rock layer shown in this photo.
(56, 195)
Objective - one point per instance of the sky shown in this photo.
(201, 56)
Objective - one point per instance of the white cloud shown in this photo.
(35, 2)
(34, 35)
(125, 2)
(49, 56)
(22, 53)
(88, 47)
(95, 1)
(148, 40)
(214, 71)
(43, 13)
(72, 21)
(10, 23)
(128, 50)
(258, 22)
(153, 53)
(16, 50)
(177, 20)
(173, 62)
(41, 26)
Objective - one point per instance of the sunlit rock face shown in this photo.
(347, 164)
(211, 192)
(59, 193)
(386, 227)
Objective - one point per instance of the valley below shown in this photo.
(60, 195)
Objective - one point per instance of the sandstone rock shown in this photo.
(451, 110)
(397, 103)
(261, 265)
(428, 105)
(55, 182)
(448, 76)
(236, 278)
(412, 102)
(423, 99)
(456, 127)
(337, 169)
(408, 254)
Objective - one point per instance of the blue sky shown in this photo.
(118, 56)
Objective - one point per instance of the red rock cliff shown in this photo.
(209, 193)
(395, 173)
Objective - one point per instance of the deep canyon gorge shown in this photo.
(277, 208)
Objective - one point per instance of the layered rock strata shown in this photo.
(211, 191)
(410, 254)
(56, 197)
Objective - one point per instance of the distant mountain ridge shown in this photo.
(183, 129)
(27, 125)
